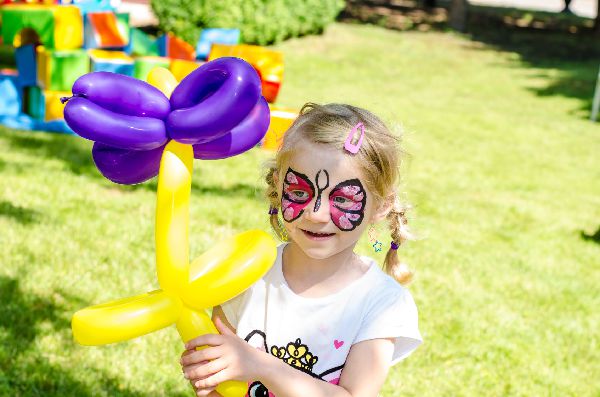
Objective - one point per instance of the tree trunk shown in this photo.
(458, 15)
(597, 20)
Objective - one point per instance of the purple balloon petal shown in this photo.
(123, 94)
(96, 123)
(240, 139)
(212, 100)
(127, 167)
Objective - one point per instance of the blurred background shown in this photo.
(495, 99)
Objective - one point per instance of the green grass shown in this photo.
(504, 175)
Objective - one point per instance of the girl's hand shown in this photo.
(186, 369)
(227, 357)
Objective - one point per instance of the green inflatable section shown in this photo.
(144, 65)
(142, 44)
(66, 66)
(42, 21)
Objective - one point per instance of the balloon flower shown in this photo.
(143, 129)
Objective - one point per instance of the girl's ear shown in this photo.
(384, 208)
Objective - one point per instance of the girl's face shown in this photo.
(325, 203)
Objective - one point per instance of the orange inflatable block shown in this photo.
(181, 68)
(268, 63)
(173, 47)
(103, 30)
(281, 120)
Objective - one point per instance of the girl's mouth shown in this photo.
(317, 236)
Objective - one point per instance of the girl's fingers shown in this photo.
(205, 370)
(197, 356)
(186, 352)
(213, 380)
(204, 340)
(204, 392)
(189, 370)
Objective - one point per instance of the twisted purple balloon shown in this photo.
(218, 108)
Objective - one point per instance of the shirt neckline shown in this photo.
(327, 298)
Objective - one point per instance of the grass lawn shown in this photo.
(504, 175)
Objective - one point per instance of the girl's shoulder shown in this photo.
(381, 283)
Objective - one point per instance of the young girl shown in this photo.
(323, 321)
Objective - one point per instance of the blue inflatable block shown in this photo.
(215, 35)
(60, 126)
(162, 44)
(86, 6)
(26, 65)
(20, 122)
(121, 68)
(11, 96)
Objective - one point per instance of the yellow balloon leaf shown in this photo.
(124, 319)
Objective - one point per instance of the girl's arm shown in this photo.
(363, 375)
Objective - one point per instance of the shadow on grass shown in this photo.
(26, 372)
(76, 154)
(592, 237)
(22, 215)
(238, 190)
(564, 46)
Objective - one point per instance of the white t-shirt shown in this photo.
(314, 335)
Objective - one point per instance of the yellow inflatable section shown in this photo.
(223, 272)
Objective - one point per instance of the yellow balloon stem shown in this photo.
(193, 323)
(172, 216)
(162, 79)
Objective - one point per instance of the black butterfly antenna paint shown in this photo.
(320, 189)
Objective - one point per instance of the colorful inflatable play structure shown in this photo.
(57, 41)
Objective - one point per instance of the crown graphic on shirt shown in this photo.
(296, 354)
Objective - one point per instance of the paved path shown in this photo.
(141, 14)
(583, 8)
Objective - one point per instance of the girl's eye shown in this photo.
(300, 194)
(342, 201)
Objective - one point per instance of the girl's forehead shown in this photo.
(310, 159)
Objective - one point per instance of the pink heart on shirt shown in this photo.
(338, 343)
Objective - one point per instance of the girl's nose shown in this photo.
(318, 210)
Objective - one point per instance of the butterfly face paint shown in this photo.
(298, 191)
(347, 202)
(318, 201)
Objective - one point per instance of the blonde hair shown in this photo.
(379, 159)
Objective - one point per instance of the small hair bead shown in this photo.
(272, 211)
(394, 246)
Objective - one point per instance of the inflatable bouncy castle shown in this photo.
(56, 42)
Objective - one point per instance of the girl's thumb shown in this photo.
(222, 328)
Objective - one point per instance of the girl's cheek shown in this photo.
(345, 221)
(291, 211)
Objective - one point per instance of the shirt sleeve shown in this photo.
(233, 307)
(393, 315)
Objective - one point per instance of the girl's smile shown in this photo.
(317, 236)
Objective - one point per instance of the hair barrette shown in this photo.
(348, 145)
